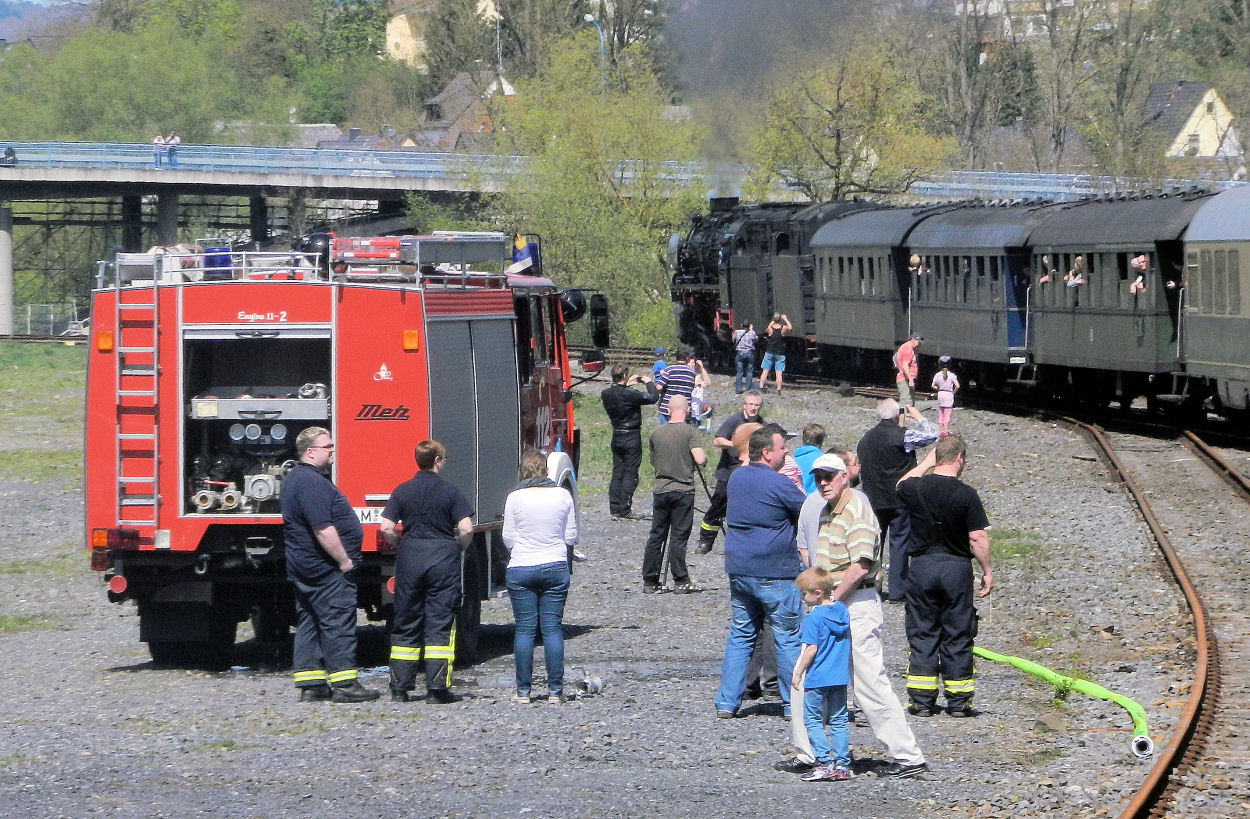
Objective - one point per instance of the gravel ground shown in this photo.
(89, 726)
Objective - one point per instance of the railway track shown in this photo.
(1194, 502)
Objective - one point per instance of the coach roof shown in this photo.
(1128, 222)
(1225, 217)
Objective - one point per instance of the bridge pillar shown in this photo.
(259, 217)
(296, 214)
(167, 219)
(132, 224)
(6, 272)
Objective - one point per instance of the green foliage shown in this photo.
(430, 212)
(845, 125)
(600, 189)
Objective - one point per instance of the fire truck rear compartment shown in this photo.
(249, 394)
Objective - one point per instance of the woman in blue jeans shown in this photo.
(539, 530)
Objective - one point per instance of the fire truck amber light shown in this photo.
(104, 341)
(114, 539)
(412, 340)
(117, 584)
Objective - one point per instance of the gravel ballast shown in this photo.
(89, 725)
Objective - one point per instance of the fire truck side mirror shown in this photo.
(599, 320)
(572, 305)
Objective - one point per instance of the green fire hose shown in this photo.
(1142, 746)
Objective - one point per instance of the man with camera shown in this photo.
(624, 408)
(886, 452)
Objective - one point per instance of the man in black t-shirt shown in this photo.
(624, 408)
(321, 539)
(437, 521)
(948, 529)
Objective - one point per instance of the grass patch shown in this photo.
(67, 561)
(1012, 544)
(1064, 688)
(596, 457)
(14, 623)
(1042, 755)
(42, 466)
(57, 367)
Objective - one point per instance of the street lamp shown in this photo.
(590, 18)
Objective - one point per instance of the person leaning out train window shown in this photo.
(1138, 265)
(1076, 276)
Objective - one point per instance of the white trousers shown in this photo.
(873, 693)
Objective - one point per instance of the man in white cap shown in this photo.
(837, 531)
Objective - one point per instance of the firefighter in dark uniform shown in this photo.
(948, 530)
(322, 542)
(624, 409)
(437, 525)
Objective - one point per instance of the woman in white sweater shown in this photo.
(539, 530)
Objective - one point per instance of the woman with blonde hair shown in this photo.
(539, 531)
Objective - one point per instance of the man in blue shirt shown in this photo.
(321, 537)
(762, 561)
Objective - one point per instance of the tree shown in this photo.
(610, 178)
(1137, 50)
(847, 125)
(1064, 69)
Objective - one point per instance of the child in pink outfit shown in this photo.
(947, 384)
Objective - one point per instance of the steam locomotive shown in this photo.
(1105, 299)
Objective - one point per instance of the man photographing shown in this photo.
(624, 408)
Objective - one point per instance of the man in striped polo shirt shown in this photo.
(837, 531)
(680, 379)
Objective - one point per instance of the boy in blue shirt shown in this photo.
(823, 668)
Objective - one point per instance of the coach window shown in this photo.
(1218, 285)
(1234, 284)
(1204, 284)
(870, 283)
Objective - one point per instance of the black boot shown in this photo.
(314, 693)
(354, 692)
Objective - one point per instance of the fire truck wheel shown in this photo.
(212, 654)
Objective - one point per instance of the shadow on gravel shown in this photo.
(372, 649)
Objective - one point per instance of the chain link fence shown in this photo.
(49, 320)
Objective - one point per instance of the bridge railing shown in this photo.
(463, 171)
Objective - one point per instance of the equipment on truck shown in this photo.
(206, 362)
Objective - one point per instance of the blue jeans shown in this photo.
(538, 594)
(823, 706)
(743, 378)
(754, 600)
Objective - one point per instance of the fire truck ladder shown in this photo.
(136, 389)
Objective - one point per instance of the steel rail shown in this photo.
(1148, 800)
(1231, 474)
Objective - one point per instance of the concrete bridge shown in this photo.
(287, 179)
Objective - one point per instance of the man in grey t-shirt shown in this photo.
(675, 454)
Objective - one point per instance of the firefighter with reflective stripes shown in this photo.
(436, 522)
(948, 530)
(321, 536)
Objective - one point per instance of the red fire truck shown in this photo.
(206, 363)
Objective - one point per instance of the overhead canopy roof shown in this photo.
(1118, 222)
(1225, 217)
